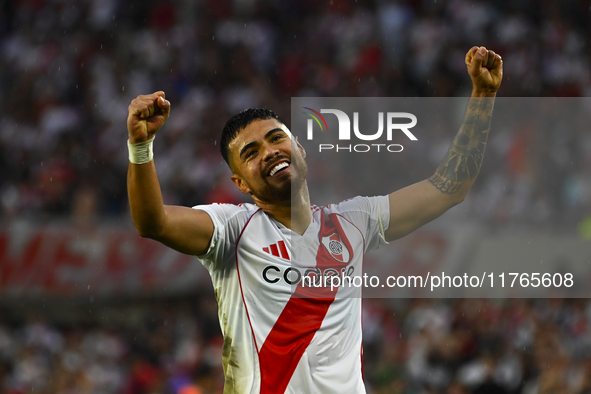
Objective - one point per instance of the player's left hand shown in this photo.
(485, 68)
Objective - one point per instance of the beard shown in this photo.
(283, 193)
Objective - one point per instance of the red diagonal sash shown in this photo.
(299, 321)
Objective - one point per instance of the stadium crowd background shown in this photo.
(68, 71)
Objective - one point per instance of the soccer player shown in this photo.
(283, 334)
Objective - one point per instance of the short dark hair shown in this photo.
(239, 122)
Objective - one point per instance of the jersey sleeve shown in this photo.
(370, 214)
(227, 221)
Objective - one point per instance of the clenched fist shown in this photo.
(485, 69)
(146, 115)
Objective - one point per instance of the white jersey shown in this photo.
(284, 333)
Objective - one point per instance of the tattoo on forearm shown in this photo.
(464, 159)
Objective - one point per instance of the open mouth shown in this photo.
(279, 168)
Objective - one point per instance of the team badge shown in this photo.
(336, 248)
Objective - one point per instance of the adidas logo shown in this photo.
(278, 249)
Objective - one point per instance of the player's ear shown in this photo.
(240, 184)
(300, 147)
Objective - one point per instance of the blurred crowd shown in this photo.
(155, 347)
(479, 346)
(69, 69)
(420, 346)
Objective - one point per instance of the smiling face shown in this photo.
(267, 163)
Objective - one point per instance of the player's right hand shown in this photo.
(146, 115)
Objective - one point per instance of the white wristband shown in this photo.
(141, 152)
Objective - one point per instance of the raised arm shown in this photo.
(184, 229)
(424, 201)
